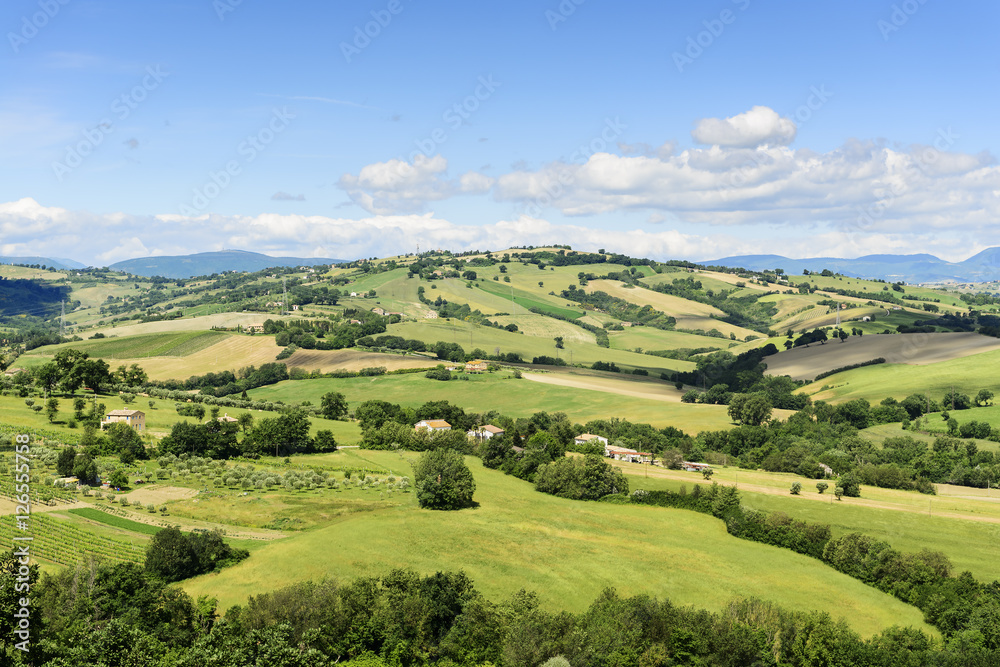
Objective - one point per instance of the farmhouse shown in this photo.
(476, 366)
(485, 432)
(226, 418)
(134, 418)
(585, 438)
(432, 425)
(254, 328)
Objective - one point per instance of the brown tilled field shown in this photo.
(805, 363)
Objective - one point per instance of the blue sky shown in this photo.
(671, 130)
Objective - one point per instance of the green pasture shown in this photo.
(908, 520)
(471, 336)
(966, 374)
(503, 393)
(166, 344)
(567, 551)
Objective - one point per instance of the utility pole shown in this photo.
(62, 319)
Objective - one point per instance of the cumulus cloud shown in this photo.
(398, 186)
(760, 125)
(55, 232)
(861, 185)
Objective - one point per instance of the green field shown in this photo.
(489, 339)
(175, 344)
(525, 300)
(967, 375)
(908, 520)
(115, 521)
(567, 551)
(511, 397)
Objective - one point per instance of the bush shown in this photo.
(796, 488)
(443, 481)
(588, 478)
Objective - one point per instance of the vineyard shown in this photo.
(65, 544)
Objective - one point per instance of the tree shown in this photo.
(324, 441)
(984, 397)
(78, 406)
(953, 400)
(559, 342)
(51, 409)
(822, 486)
(64, 464)
(796, 488)
(850, 485)
(707, 473)
(333, 405)
(126, 442)
(750, 409)
(245, 422)
(588, 478)
(443, 481)
(839, 492)
(170, 555)
(47, 376)
(118, 479)
(85, 469)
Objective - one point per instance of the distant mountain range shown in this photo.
(923, 268)
(51, 262)
(207, 263)
(185, 266)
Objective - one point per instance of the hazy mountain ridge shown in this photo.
(919, 268)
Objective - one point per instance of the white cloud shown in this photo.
(760, 125)
(860, 185)
(106, 239)
(398, 186)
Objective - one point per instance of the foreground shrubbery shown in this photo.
(118, 615)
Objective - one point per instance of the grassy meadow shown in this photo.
(507, 395)
(566, 551)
